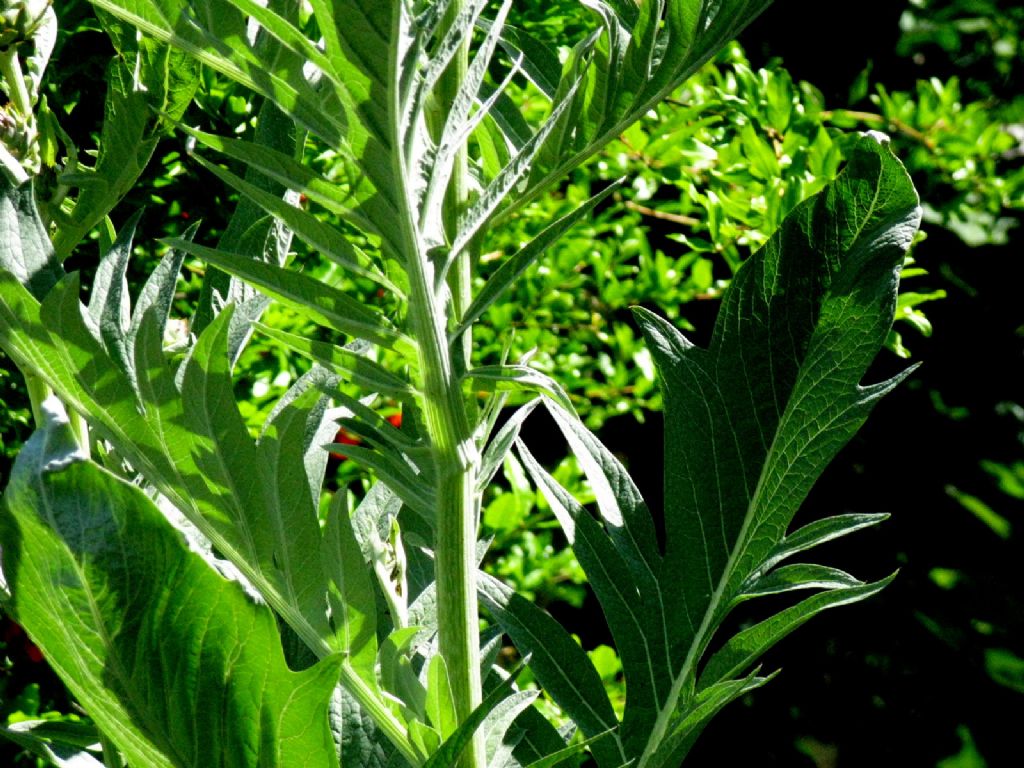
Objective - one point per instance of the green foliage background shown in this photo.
(932, 664)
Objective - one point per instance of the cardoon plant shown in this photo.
(181, 573)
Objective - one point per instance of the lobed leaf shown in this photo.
(214, 33)
(349, 365)
(307, 227)
(148, 85)
(44, 741)
(750, 424)
(285, 170)
(745, 647)
(449, 752)
(819, 532)
(351, 595)
(320, 302)
(788, 578)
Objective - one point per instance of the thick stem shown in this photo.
(452, 436)
(456, 462)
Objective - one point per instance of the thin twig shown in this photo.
(892, 123)
(675, 218)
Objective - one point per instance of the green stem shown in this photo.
(448, 425)
(379, 713)
(455, 556)
(460, 276)
(111, 757)
(10, 71)
(38, 391)
(456, 460)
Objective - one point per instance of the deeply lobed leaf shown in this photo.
(751, 422)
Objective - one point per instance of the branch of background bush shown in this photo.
(880, 121)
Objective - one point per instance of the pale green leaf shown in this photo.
(308, 228)
(357, 35)
(291, 496)
(316, 300)
(249, 231)
(440, 705)
(201, 459)
(454, 745)
(25, 248)
(109, 305)
(35, 737)
(287, 171)
(558, 661)
(458, 124)
(518, 378)
(396, 672)
(361, 742)
(143, 632)
(494, 195)
(214, 33)
(500, 739)
(350, 365)
(540, 63)
(148, 85)
(500, 445)
(157, 294)
(351, 594)
(397, 475)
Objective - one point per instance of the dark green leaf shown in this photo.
(744, 648)
(752, 421)
(788, 578)
(706, 704)
(818, 532)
